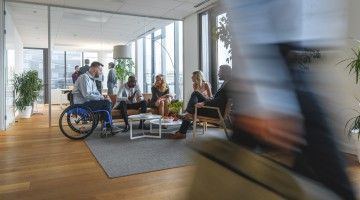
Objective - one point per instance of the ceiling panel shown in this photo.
(80, 28)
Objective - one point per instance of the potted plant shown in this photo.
(27, 86)
(175, 107)
(352, 126)
(352, 129)
(124, 68)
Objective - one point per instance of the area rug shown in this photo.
(120, 156)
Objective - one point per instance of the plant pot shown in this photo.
(26, 113)
(354, 137)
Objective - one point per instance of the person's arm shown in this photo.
(120, 94)
(86, 90)
(139, 96)
(208, 89)
(154, 95)
(73, 76)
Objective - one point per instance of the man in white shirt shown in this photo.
(130, 97)
(85, 92)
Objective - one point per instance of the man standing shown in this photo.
(86, 93)
(76, 74)
(111, 80)
(85, 68)
(130, 97)
(220, 100)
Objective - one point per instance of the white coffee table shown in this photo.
(164, 122)
(137, 118)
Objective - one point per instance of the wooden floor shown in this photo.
(37, 162)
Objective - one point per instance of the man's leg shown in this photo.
(102, 105)
(181, 133)
(195, 98)
(143, 108)
(123, 110)
(110, 90)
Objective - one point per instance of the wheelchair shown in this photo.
(78, 121)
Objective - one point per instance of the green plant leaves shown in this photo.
(175, 106)
(124, 68)
(27, 86)
(222, 32)
(354, 64)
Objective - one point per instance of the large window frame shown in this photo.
(150, 41)
(209, 52)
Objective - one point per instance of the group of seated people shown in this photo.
(129, 96)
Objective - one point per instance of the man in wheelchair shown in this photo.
(85, 92)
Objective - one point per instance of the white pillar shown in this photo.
(2, 66)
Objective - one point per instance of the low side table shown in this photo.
(134, 118)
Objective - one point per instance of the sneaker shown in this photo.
(125, 129)
(114, 130)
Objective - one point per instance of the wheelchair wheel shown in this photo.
(77, 122)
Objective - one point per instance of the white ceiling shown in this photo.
(88, 30)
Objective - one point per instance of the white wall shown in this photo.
(191, 52)
(14, 62)
(2, 71)
(336, 86)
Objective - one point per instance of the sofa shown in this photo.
(116, 114)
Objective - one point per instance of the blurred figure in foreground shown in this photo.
(274, 102)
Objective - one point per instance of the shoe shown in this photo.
(125, 129)
(178, 136)
(114, 130)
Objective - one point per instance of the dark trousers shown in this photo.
(100, 105)
(110, 90)
(99, 86)
(123, 106)
(196, 97)
(320, 158)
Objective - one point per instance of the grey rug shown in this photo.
(120, 156)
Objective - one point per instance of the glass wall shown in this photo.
(34, 60)
(77, 35)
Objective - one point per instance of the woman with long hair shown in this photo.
(160, 95)
(201, 93)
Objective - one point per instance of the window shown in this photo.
(72, 59)
(160, 52)
(34, 60)
(205, 59)
(222, 52)
(140, 62)
(148, 61)
(92, 56)
(169, 57)
(58, 70)
(213, 53)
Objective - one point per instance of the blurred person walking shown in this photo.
(274, 101)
